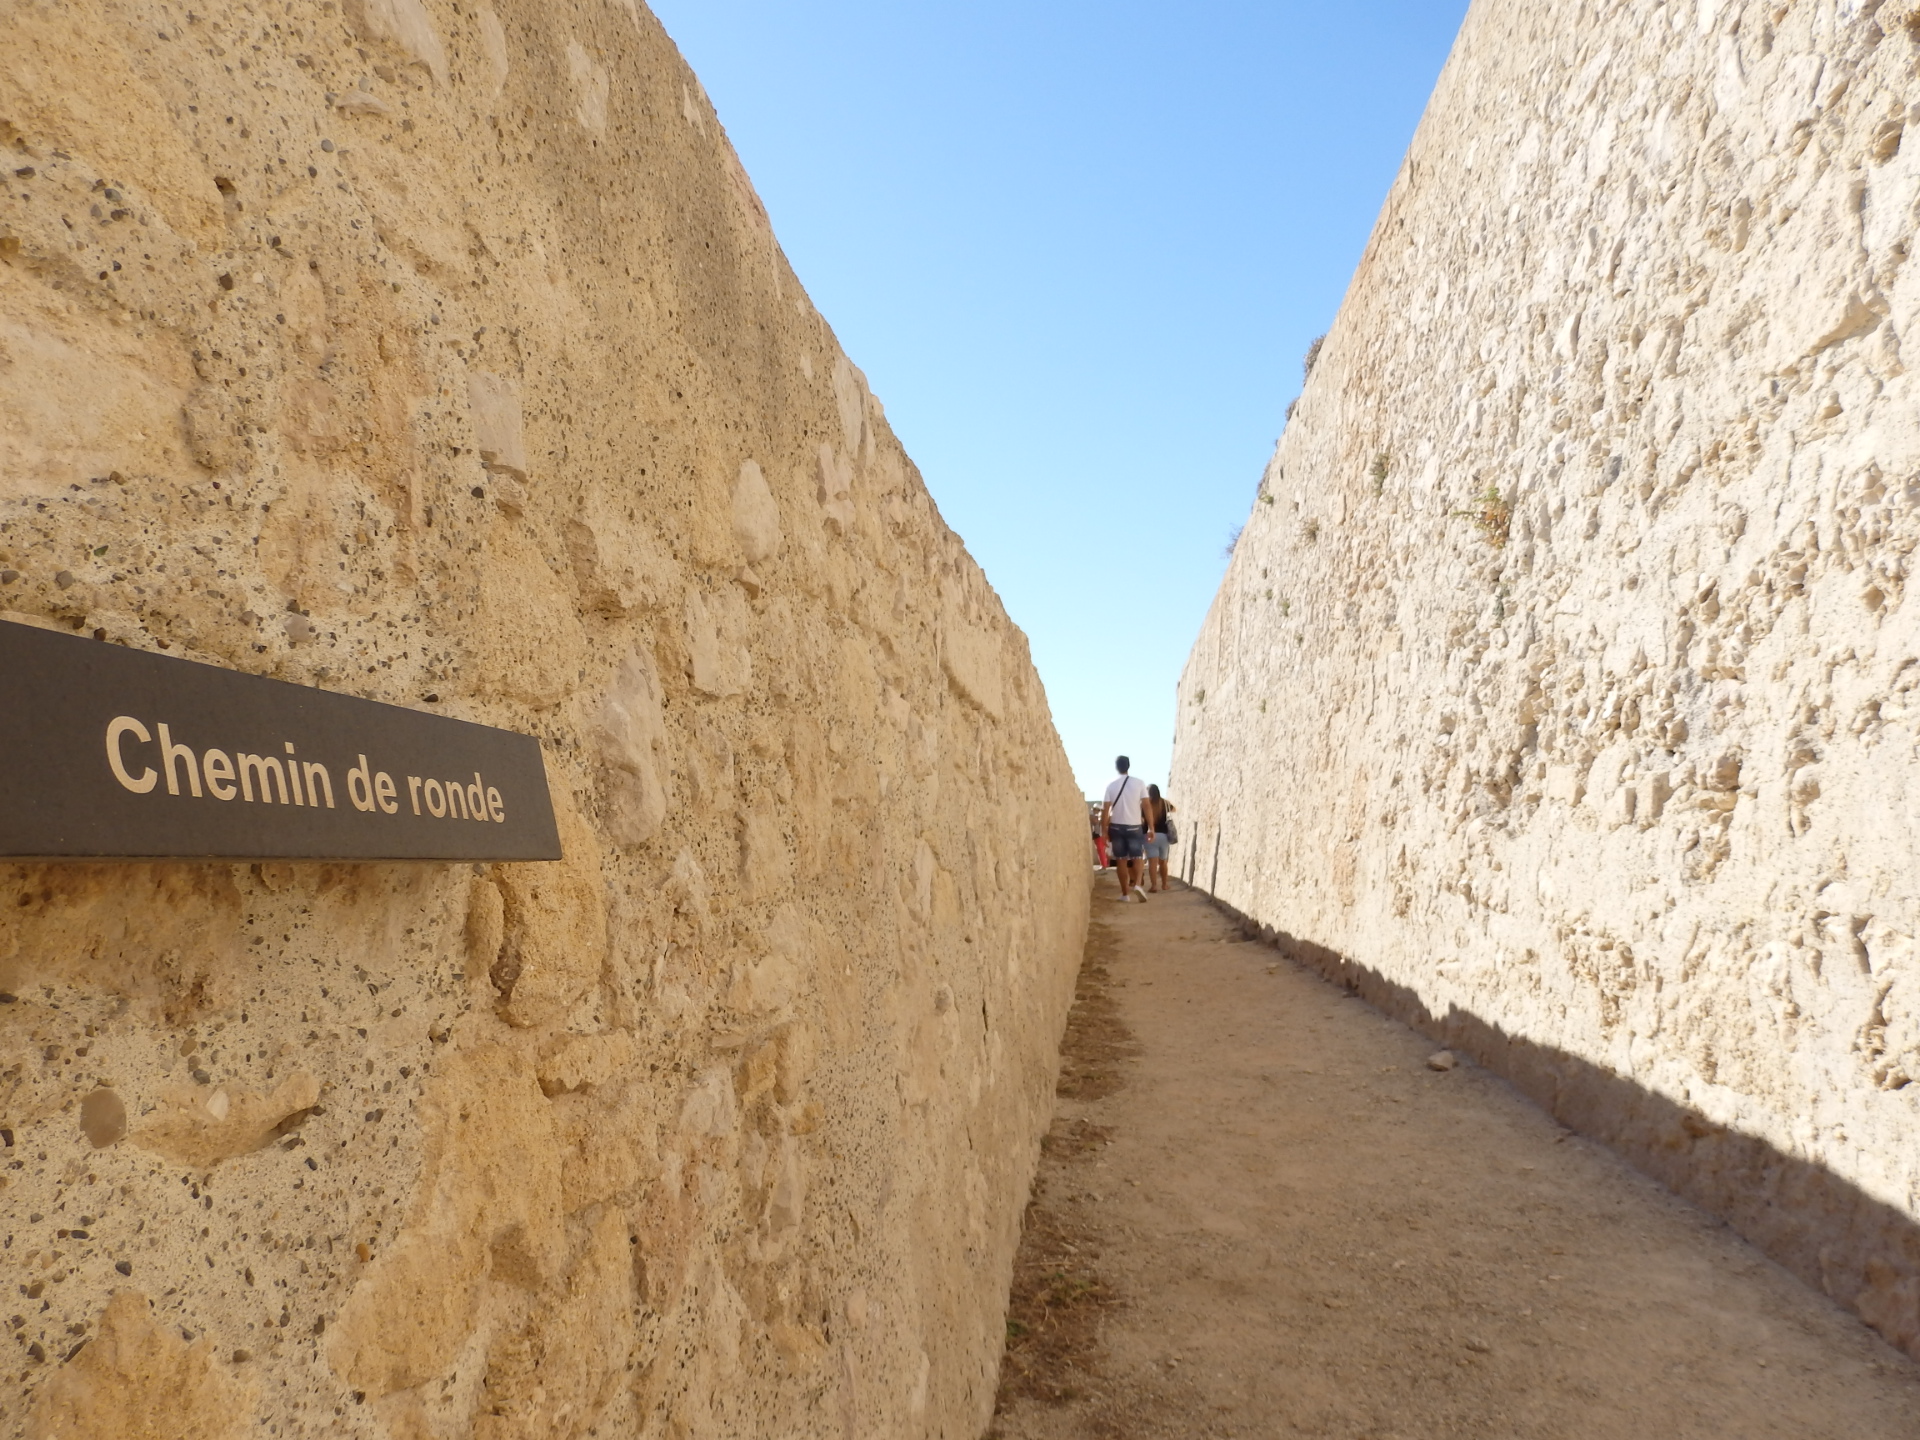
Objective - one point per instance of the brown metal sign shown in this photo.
(114, 754)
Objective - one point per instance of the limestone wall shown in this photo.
(441, 353)
(1562, 689)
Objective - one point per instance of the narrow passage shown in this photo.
(1260, 1213)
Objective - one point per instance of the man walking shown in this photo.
(1128, 825)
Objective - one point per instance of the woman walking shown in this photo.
(1163, 836)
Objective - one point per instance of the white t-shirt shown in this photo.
(1125, 795)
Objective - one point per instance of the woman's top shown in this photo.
(1160, 809)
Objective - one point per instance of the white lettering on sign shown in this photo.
(218, 766)
(365, 786)
(126, 725)
(274, 780)
(261, 767)
(170, 752)
(318, 772)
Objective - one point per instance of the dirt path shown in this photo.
(1261, 1213)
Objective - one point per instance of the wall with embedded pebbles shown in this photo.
(1562, 690)
(441, 353)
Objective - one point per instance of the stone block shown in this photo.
(1641, 554)
(343, 391)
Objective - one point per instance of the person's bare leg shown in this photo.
(1119, 869)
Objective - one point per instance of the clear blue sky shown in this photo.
(1079, 250)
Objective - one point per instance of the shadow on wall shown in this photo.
(1863, 1253)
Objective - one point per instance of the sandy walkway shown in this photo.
(1262, 1214)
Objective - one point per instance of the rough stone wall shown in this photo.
(1562, 688)
(441, 353)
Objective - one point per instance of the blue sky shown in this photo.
(1079, 251)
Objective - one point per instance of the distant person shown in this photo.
(1161, 834)
(1099, 840)
(1127, 826)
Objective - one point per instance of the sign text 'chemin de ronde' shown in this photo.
(110, 753)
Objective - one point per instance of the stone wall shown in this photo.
(1561, 690)
(441, 353)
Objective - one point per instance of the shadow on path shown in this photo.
(1860, 1251)
(1261, 1213)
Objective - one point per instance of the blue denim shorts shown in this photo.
(1157, 847)
(1127, 842)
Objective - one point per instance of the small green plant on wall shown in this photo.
(1492, 515)
(1379, 470)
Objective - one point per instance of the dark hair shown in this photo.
(1154, 791)
(1121, 764)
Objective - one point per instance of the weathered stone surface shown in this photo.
(1562, 680)
(194, 1125)
(756, 515)
(499, 433)
(135, 1379)
(631, 731)
(442, 354)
